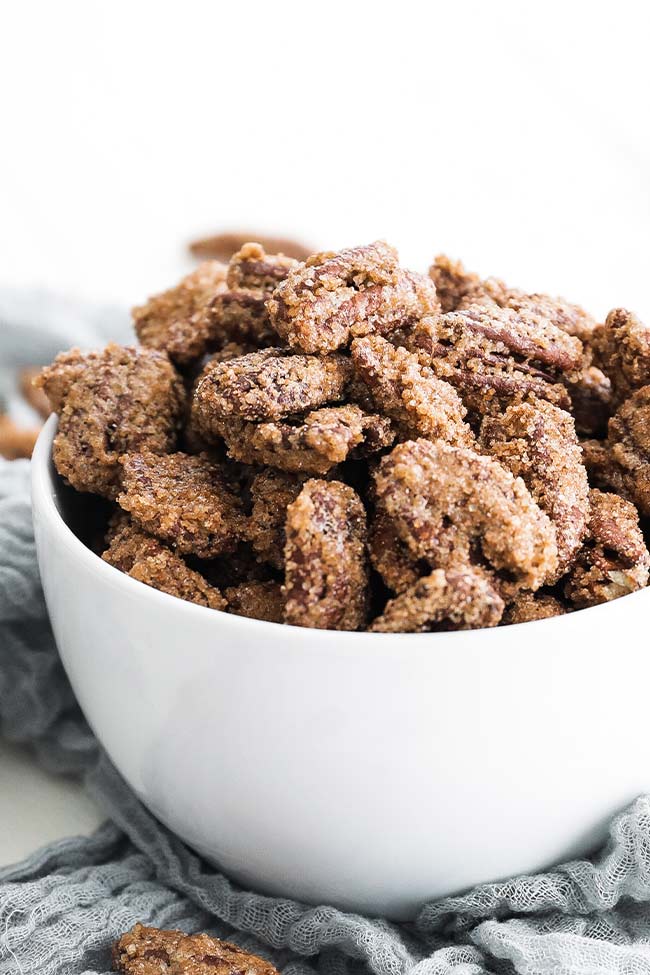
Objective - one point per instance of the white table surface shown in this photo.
(513, 136)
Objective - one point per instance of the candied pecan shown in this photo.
(452, 281)
(333, 297)
(326, 578)
(455, 599)
(623, 464)
(529, 606)
(614, 560)
(152, 951)
(497, 356)
(223, 246)
(269, 385)
(591, 401)
(411, 394)
(239, 313)
(450, 503)
(390, 557)
(147, 560)
(33, 393)
(110, 403)
(184, 500)
(622, 350)
(240, 316)
(251, 268)
(16, 442)
(257, 601)
(179, 321)
(272, 491)
(537, 442)
(313, 444)
(57, 380)
(458, 289)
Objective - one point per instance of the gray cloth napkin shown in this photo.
(61, 908)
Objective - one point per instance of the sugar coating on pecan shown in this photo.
(458, 288)
(326, 576)
(409, 393)
(614, 560)
(257, 601)
(496, 356)
(529, 606)
(149, 561)
(57, 379)
(179, 321)
(451, 505)
(622, 350)
(111, 402)
(390, 557)
(313, 444)
(152, 951)
(323, 303)
(251, 268)
(624, 462)
(453, 283)
(452, 599)
(223, 246)
(538, 442)
(270, 385)
(183, 499)
(239, 313)
(271, 492)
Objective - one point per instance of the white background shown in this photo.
(513, 135)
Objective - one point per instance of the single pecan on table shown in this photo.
(313, 443)
(152, 951)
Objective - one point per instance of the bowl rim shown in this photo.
(42, 485)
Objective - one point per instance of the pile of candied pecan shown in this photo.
(345, 444)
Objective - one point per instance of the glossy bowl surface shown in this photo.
(374, 772)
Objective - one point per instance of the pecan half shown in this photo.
(151, 951)
(326, 579)
(622, 350)
(269, 385)
(614, 560)
(497, 356)
(537, 442)
(333, 297)
(312, 444)
(409, 393)
(451, 506)
(455, 599)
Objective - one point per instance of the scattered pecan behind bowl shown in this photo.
(152, 951)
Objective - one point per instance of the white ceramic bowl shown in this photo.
(369, 771)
